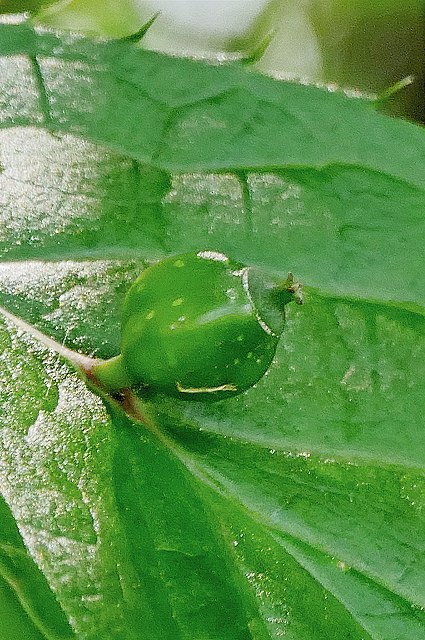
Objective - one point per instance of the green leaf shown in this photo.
(295, 509)
(330, 159)
(18, 6)
(27, 606)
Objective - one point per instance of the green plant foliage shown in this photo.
(295, 509)
(28, 609)
(17, 6)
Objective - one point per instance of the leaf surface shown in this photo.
(295, 509)
(28, 608)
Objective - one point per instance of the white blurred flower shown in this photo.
(216, 18)
(198, 26)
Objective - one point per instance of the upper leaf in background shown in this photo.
(207, 117)
(352, 180)
(350, 43)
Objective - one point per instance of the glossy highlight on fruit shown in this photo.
(199, 326)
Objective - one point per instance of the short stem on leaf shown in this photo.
(112, 374)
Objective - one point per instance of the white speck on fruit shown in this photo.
(177, 302)
(231, 294)
(182, 318)
(249, 355)
(212, 255)
(150, 315)
(237, 361)
(239, 338)
(172, 327)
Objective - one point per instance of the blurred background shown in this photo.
(362, 45)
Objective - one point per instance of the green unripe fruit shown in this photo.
(199, 326)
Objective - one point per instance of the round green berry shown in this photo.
(199, 326)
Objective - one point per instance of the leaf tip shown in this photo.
(258, 52)
(394, 88)
(140, 33)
